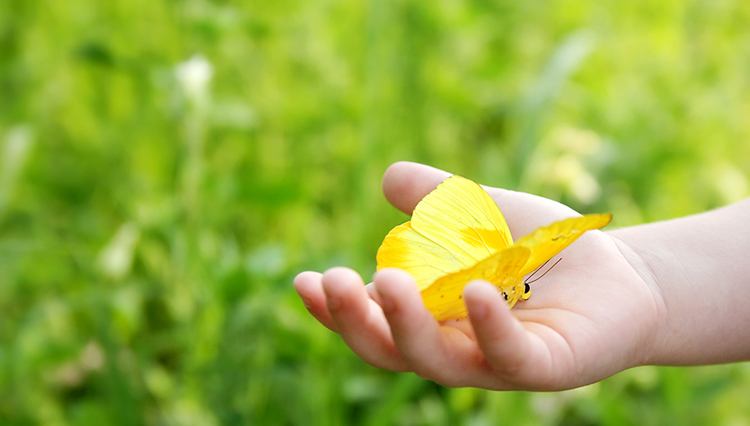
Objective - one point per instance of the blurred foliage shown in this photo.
(167, 166)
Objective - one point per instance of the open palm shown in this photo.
(590, 317)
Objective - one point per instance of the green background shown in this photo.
(168, 166)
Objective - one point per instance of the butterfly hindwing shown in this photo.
(444, 297)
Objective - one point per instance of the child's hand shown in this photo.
(588, 318)
(669, 293)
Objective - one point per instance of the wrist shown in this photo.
(649, 348)
(696, 268)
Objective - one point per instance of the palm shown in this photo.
(583, 322)
(586, 310)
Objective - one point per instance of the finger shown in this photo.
(406, 183)
(507, 346)
(309, 286)
(359, 319)
(442, 354)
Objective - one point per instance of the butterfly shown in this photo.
(458, 234)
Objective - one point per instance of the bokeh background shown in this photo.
(168, 166)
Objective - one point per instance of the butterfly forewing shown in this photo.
(460, 217)
(549, 240)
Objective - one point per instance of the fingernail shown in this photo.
(307, 302)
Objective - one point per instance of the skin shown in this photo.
(667, 293)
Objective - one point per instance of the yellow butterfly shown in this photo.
(457, 234)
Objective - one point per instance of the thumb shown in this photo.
(406, 183)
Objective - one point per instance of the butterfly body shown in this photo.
(458, 234)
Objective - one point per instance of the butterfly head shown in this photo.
(515, 291)
(526, 291)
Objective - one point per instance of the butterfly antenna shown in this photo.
(537, 270)
(545, 273)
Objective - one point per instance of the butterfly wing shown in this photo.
(404, 248)
(452, 228)
(444, 298)
(457, 234)
(460, 217)
(549, 240)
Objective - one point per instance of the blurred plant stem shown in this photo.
(194, 79)
(14, 152)
(568, 56)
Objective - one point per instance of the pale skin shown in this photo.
(667, 293)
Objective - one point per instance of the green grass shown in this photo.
(149, 232)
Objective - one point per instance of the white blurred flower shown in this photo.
(568, 172)
(578, 141)
(92, 356)
(585, 188)
(117, 256)
(194, 76)
(566, 168)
